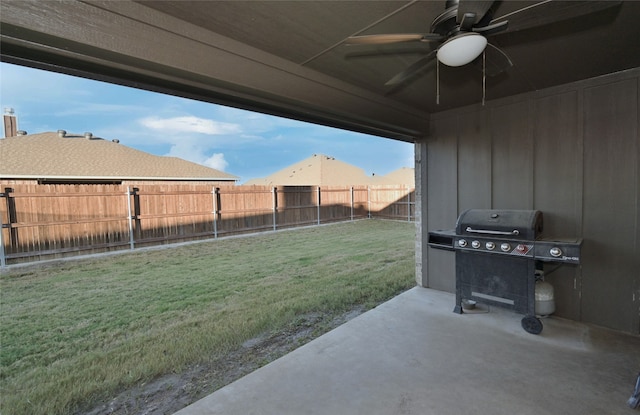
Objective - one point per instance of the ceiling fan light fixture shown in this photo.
(462, 49)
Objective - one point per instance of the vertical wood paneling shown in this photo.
(635, 305)
(474, 162)
(573, 153)
(442, 204)
(611, 260)
(512, 162)
(558, 187)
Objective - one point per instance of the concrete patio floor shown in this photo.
(413, 355)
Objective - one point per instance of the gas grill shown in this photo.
(497, 253)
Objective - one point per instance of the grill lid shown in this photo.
(513, 224)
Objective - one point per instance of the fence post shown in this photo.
(352, 203)
(131, 241)
(318, 209)
(12, 216)
(274, 198)
(369, 202)
(408, 204)
(215, 194)
(3, 261)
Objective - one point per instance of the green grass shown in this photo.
(77, 332)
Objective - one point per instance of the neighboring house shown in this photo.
(61, 158)
(322, 170)
(404, 176)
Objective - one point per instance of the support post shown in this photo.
(420, 213)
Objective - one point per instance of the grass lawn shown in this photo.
(75, 333)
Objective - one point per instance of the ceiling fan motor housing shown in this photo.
(461, 49)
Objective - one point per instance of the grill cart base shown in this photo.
(507, 283)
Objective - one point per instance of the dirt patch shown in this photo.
(170, 393)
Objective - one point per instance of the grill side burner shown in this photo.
(497, 254)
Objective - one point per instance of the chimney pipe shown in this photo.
(10, 123)
(62, 133)
(88, 136)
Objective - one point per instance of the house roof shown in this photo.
(72, 157)
(323, 170)
(404, 176)
(318, 169)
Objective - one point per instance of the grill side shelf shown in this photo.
(442, 239)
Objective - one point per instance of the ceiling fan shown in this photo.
(461, 32)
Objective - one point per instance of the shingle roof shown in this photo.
(404, 176)
(322, 170)
(315, 170)
(49, 155)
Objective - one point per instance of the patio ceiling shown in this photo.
(289, 58)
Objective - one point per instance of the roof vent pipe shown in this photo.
(21, 132)
(115, 140)
(88, 136)
(62, 133)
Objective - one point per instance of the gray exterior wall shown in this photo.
(572, 152)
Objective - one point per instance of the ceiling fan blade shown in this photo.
(412, 70)
(405, 48)
(470, 12)
(492, 28)
(549, 11)
(392, 38)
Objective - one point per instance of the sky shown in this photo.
(243, 143)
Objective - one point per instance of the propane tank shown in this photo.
(544, 296)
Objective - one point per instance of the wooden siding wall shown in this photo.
(50, 221)
(572, 152)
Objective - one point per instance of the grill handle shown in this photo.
(488, 231)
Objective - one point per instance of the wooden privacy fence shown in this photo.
(51, 221)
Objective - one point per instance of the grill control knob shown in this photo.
(521, 248)
(475, 244)
(462, 243)
(490, 246)
(555, 252)
(505, 247)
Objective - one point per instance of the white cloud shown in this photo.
(216, 161)
(198, 154)
(190, 124)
